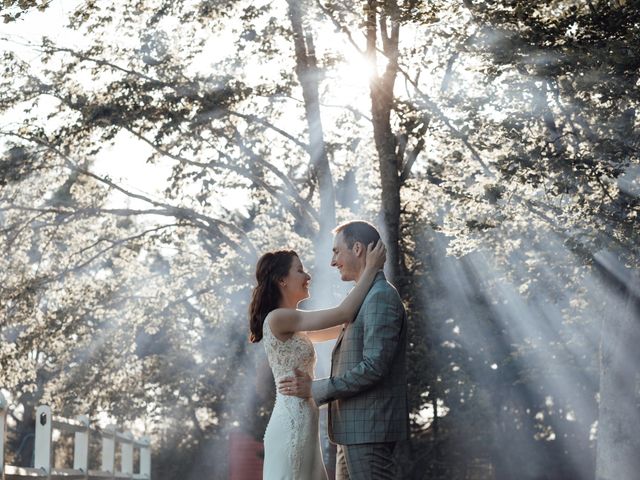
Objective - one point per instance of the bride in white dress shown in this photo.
(291, 441)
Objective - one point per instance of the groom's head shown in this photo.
(350, 247)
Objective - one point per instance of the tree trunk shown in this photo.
(381, 93)
(390, 158)
(619, 416)
(309, 78)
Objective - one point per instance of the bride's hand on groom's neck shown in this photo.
(375, 256)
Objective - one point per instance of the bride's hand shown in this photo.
(376, 256)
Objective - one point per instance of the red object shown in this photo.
(245, 457)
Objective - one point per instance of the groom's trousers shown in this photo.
(366, 461)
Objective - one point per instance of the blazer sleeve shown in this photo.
(383, 321)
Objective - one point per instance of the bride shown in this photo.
(291, 442)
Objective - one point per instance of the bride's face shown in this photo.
(296, 284)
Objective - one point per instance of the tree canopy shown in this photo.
(152, 150)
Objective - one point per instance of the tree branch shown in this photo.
(443, 118)
(340, 27)
(262, 121)
(207, 223)
(412, 154)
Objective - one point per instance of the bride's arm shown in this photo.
(288, 320)
(327, 334)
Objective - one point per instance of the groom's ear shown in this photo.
(358, 248)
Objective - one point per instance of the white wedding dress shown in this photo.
(291, 441)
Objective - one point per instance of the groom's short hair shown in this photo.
(358, 231)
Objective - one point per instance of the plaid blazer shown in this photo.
(367, 390)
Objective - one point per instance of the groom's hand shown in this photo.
(296, 386)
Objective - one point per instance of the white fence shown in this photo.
(43, 468)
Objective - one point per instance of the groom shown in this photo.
(367, 390)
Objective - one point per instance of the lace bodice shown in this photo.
(284, 356)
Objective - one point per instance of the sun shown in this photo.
(357, 68)
(348, 83)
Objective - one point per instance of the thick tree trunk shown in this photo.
(309, 78)
(22, 440)
(381, 92)
(390, 158)
(619, 416)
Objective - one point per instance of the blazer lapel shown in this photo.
(339, 339)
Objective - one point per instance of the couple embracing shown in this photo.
(366, 392)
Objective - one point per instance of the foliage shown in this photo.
(514, 133)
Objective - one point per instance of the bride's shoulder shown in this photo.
(278, 322)
(279, 317)
(277, 313)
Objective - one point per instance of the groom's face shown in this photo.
(345, 259)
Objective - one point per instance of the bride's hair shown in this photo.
(271, 268)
